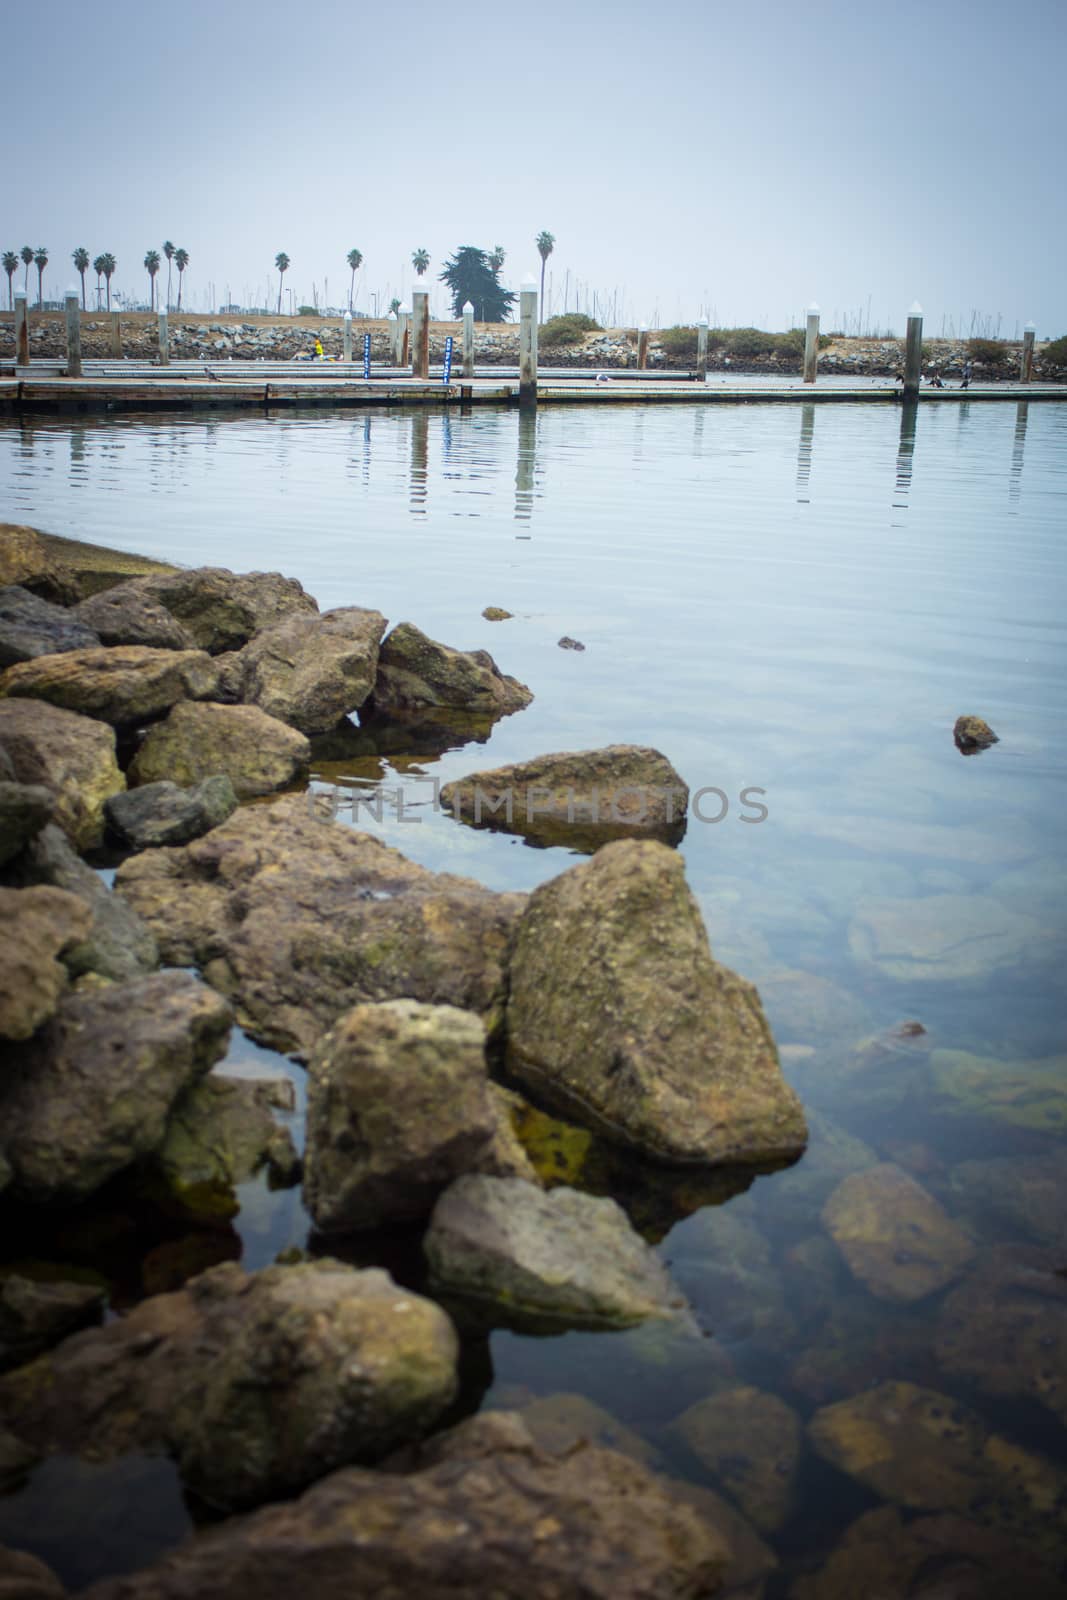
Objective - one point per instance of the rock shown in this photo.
(92, 1090)
(1026, 1094)
(310, 671)
(854, 1343)
(256, 752)
(832, 1154)
(30, 627)
(219, 1133)
(25, 561)
(398, 1106)
(723, 1262)
(558, 1422)
(39, 924)
(124, 615)
(70, 755)
(164, 813)
(972, 734)
(570, 644)
(945, 938)
(895, 1237)
(298, 919)
(415, 672)
(750, 1443)
(1027, 1194)
(1005, 1327)
(497, 614)
(35, 1315)
(258, 1384)
(505, 1156)
(484, 1512)
(124, 684)
(222, 610)
(581, 799)
(561, 1256)
(23, 1577)
(117, 943)
(24, 810)
(618, 1013)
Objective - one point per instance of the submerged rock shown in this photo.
(566, 643)
(895, 1237)
(415, 672)
(972, 734)
(30, 626)
(309, 671)
(581, 799)
(257, 753)
(23, 1577)
(1027, 1194)
(39, 925)
(483, 1511)
(618, 1013)
(121, 684)
(561, 1256)
(497, 614)
(257, 1384)
(125, 615)
(1027, 1094)
(92, 1090)
(750, 1443)
(222, 610)
(164, 813)
(71, 756)
(945, 938)
(398, 1106)
(35, 1314)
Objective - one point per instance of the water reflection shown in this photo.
(524, 469)
(905, 453)
(1015, 482)
(420, 436)
(804, 449)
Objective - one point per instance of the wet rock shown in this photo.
(256, 752)
(35, 1315)
(497, 614)
(92, 1090)
(832, 1154)
(24, 810)
(25, 561)
(972, 734)
(561, 1256)
(31, 627)
(484, 1511)
(219, 1133)
(580, 799)
(39, 924)
(567, 643)
(398, 1106)
(416, 672)
(124, 685)
(558, 1422)
(299, 918)
(222, 610)
(1005, 1327)
(945, 938)
(1027, 1194)
(723, 1262)
(309, 671)
(23, 1577)
(258, 1384)
(1027, 1094)
(116, 944)
(125, 615)
(855, 1342)
(618, 1013)
(505, 1156)
(71, 756)
(163, 813)
(895, 1237)
(750, 1442)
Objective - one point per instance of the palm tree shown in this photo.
(355, 261)
(420, 261)
(151, 262)
(80, 259)
(40, 261)
(98, 268)
(27, 257)
(104, 266)
(181, 261)
(11, 266)
(496, 258)
(545, 243)
(394, 304)
(168, 251)
(281, 261)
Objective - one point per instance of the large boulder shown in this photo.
(122, 684)
(581, 799)
(257, 1384)
(24, 810)
(485, 1511)
(164, 813)
(70, 755)
(309, 671)
(125, 615)
(556, 1256)
(618, 1013)
(257, 753)
(91, 1092)
(398, 1106)
(415, 672)
(26, 560)
(298, 919)
(222, 610)
(30, 626)
(35, 1314)
(38, 925)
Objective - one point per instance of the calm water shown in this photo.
(800, 599)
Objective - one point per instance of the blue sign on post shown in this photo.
(447, 377)
(366, 355)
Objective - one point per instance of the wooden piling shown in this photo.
(528, 342)
(74, 334)
(811, 344)
(404, 336)
(22, 330)
(913, 352)
(116, 336)
(468, 340)
(164, 339)
(1026, 360)
(420, 334)
(702, 349)
(394, 345)
(642, 348)
(347, 340)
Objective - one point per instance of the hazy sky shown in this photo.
(739, 159)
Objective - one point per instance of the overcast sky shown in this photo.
(735, 159)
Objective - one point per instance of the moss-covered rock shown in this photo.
(198, 740)
(750, 1442)
(39, 924)
(416, 672)
(70, 755)
(896, 1238)
(1027, 1094)
(121, 684)
(309, 671)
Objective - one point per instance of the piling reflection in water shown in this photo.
(905, 454)
(525, 467)
(1015, 482)
(804, 449)
(420, 437)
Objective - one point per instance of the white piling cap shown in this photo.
(405, 310)
(1031, 327)
(391, 317)
(468, 309)
(529, 284)
(642, 327)
(414, 292)
(702, 322)
(348, 316)
(20, 294)
(915, 309)
(813, 310)
(71, 289)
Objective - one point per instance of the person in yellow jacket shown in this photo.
(318, 349)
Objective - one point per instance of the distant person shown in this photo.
(318, 350)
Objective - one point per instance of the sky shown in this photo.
(738, 161)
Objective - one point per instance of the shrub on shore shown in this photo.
(568, 329)
(988, 352)
(1055, 353)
